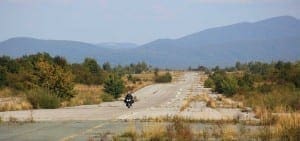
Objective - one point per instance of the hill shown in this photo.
(272, 39)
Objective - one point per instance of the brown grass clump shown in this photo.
(228, 133)
(12, 100)
(85, 99)
(280, 127)
(190, 99)
(185, 105)
(288, 127)
(138, 81)
(154, 132)
(6, 92)
(13, 104)
(179, 131)
(261, 112)
(131, 133)
(176, 75)
(86, 95)
(211, 103)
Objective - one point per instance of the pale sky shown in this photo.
(137, 21)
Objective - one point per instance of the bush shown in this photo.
(167, 77)
(41, 98)
(209, 83)
(55, 78)
(107, 98)
(229, 86)
(114, 85)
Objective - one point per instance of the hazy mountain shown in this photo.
(74, 51)
(268, 40)
(117, 45)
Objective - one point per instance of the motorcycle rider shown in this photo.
(129, 99)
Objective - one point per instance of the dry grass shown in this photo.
(14, 104)
(190, 99)
(146, 79)
(190, 120)
(185, 105)
(86, 95)
(142, 80)
(229, 103)
(180, 130)
(229, 134)
(176, 75)
(158, 132)
(288, 127)
(283, 127)
(7, 92)
(211, 103)
(153, 132)
(131, 133)
(12, 100)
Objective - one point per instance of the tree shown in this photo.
(106, 66)
(60, 61)
(11, 65)
(54, 78)
(2, 76)
(114, 85)
(156, 70)
(91, 65)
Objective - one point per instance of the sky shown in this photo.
(136, 21)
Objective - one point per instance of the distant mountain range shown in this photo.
(272, 39)
(117, 45)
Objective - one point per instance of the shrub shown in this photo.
(107, 98)
(229, 86)
(209, 83)
(41, 98)
(167, 77)
(55, 78)
(114, 85)
(2, 77)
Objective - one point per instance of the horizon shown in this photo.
(134, 22)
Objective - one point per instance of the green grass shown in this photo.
(40, 98)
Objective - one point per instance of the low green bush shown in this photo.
(167, 77)
(107, 98)
(209, 83)
(114, 85)
(40, 98)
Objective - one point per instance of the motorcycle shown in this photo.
(128, 102)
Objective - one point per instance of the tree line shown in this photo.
(276, 83)
(54, 78)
